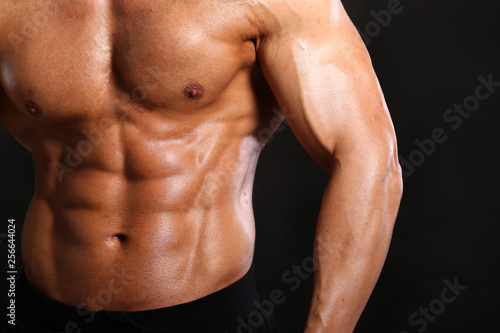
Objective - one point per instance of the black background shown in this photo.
(427, 58)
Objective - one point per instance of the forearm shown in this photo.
(352, 238)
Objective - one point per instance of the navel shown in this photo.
(33, 108)
(194, 91)
(120, 237)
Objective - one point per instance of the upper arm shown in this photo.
(323, 79)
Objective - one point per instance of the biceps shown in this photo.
(326, 85)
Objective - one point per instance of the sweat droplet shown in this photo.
(33, 108)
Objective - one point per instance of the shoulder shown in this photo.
(295, 14)
(320, 25)
(301, 20)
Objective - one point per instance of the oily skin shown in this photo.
(145, 122)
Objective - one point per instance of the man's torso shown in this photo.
(143, 118)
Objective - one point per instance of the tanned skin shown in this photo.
(145, 122)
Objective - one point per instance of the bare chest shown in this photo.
(66, 60)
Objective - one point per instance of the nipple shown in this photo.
(33, 108)
(194, 91)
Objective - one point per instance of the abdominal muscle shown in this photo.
(108, 237)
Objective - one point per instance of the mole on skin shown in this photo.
(194, 91)
(33, 108)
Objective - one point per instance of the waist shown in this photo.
(222, 309)
(150, 262)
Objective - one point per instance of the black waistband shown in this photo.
(212, 313)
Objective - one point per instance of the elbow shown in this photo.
(386, 172)
(398, 180)
(393, 181)
(395, 174)
(375, 160)
(384, 154)
(388, 187)
(395, 185)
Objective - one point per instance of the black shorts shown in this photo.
(234, 309)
